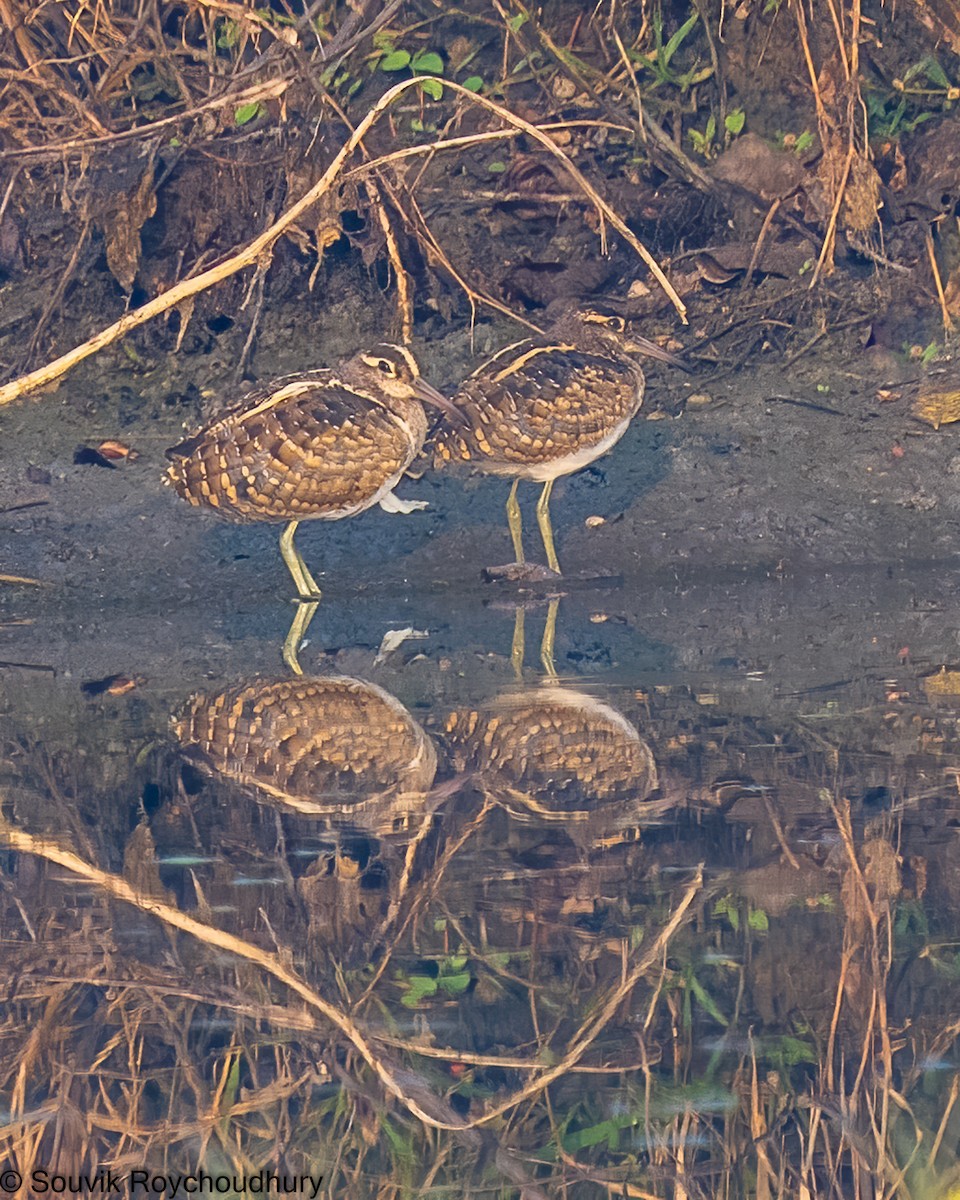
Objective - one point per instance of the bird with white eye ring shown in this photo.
(318, 445)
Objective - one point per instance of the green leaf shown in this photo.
(706, 1000)
(735, 120)
(936, 74)
(670, 49)
(607, 1131)
(396, 60)
(174, 142)
(496, 168)
(428, 62)
(247, 112)
(794, 1051)
(515, 24)
(758, 920)
(432, 87)
(455, 985)
(418, 988)
(473, 84)
(455, 963)
(711, 129)
(229, 36)
(803, 142)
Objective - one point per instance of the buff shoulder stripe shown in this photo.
(519, 363)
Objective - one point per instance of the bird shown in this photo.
(326, 746)
(317, 445)
(553, 755)
(548, 406)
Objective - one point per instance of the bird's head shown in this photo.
(393, 372)
(594, 325)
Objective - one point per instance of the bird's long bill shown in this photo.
(429, 395)
(641, 345)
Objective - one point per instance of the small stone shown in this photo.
(595, 522)
(699, 400)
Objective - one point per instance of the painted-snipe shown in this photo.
(548, 406)
(329, 746)
(553, 755)
(319, 445)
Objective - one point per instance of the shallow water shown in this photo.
(426, 918)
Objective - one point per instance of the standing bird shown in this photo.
(548, 406)
(319, 445)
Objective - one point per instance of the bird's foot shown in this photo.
(517, 572)
(393, 504)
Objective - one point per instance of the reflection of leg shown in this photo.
(546, 530)
(513, 520)
(298, 628)
(549, 638)
(516, 650)
(303, 581)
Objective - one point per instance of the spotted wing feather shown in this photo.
(306, 446)
(539, 404)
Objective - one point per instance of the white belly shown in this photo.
(576, 461)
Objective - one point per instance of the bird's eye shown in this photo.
(386, 366)
(617, 323)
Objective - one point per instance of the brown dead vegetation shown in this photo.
(173, 138)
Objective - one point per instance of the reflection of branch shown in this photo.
(119, 888)
(25, 842)
(594, 1026)
(262, 246)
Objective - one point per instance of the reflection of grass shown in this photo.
(617, 1061)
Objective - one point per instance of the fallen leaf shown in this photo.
(394, 638)
(113, 449)
(112, 685)
(86, 456)
(942, 683)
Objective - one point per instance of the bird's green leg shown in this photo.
(304, 582)
(546, 529)
(516, 650)
(298, 627)
(549, 638)
(513, 520)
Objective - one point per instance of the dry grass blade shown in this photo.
(120, 889)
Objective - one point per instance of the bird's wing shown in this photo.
(544, 402)
(305, 446)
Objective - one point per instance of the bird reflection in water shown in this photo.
(339, 749)
(556, 756)
(324, 746)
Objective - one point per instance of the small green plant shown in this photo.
(733, 124)
(426, 63)
(729, 907)
(451, 980)
(663, 53)
(703, 142)
(887, 119)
